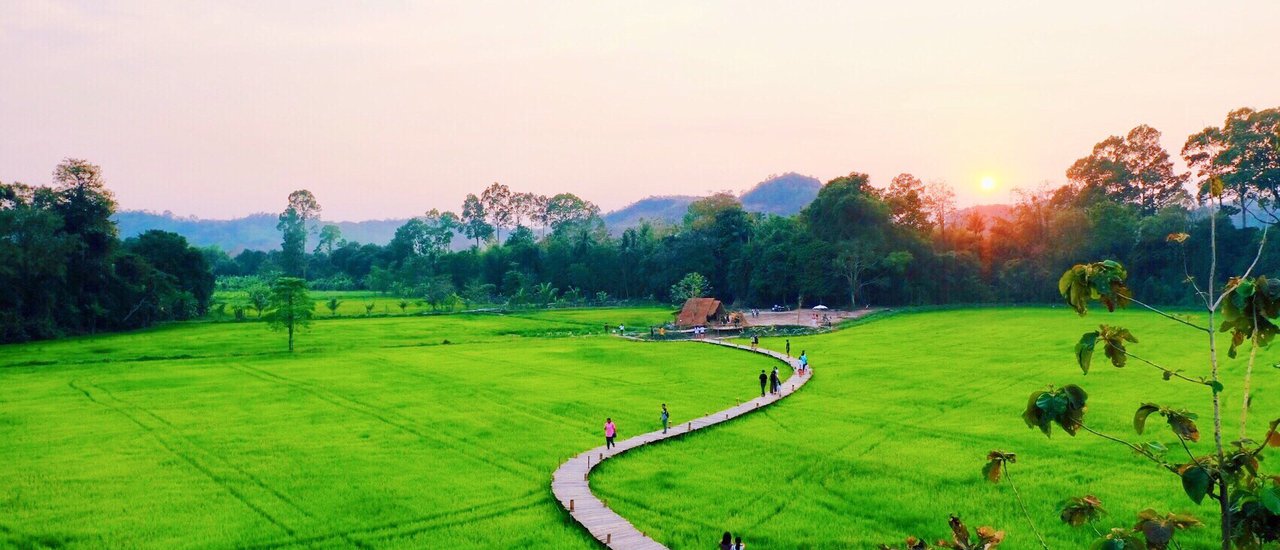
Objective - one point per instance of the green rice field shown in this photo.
(891, 434)
(373, 434)
(377, 433)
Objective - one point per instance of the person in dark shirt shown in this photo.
(764, 379)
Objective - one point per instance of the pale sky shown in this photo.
(390, 109)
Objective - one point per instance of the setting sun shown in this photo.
(988, 183)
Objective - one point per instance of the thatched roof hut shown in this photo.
(700, 311)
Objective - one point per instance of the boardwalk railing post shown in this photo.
(570, 505)
(608, 538)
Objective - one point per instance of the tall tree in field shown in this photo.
(1134, 169)
(86, 205)
(1245, 153)
(473, 219)
(905, 197)
(291, 307)
(293, 228)
(497, 207)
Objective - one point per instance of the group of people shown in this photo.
(771, 381)
(699, 331)
(728, 542)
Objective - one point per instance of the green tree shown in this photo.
(291, 307)
(330, 237)
(169, 253)
(906, 199)
(498, 208)
(567, 208)
(1134, 169)
(1244, 153)
(293, 226)
(692, 285)
(259, 298)
(332, 304)
(86, 205)
(474, 216)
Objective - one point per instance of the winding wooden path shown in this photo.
(570, 485)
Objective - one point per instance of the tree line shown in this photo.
(64, 270)
(855, 244)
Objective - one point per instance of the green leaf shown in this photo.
(1033, 416)
(1140, 418)
(1084, 350)
(1076, 396)
(1053, 405)
(1217, 386)
(1270, 498)
(1196, 482)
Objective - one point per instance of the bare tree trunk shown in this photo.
(1224, 502)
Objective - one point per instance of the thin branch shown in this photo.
(1188, 449)
(1170, 372)
(1165, 315)
(1017, 496)
(1265, 438)
(1135, 448)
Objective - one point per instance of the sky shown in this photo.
(389, 109)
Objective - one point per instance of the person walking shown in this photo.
(610, 431)
(764, 379)
(726, 542)
(774, 383)
(666, 418)
(788, 347)
(755, 341)
(804, 362)
(737, 543)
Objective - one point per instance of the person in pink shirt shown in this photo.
(609, 432)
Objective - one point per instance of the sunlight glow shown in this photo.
(988, 184)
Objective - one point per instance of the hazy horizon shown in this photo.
(220, 110)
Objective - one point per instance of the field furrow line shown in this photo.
(404, 424)
(236, 482)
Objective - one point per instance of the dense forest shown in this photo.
(855, 244)
(63, 270)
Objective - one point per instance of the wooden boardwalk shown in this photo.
(570, 485)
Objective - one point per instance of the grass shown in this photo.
(377, 433)
(890, 436)
(373, 433)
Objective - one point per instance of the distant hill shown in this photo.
(254, 232)
(784, 195)
(668, 209)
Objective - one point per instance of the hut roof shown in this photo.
(699, 311)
